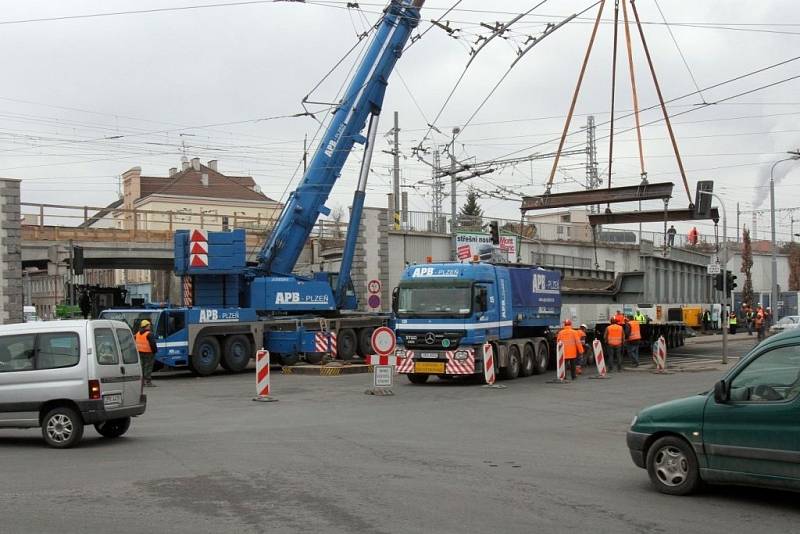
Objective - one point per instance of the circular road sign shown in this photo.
(374, 302)
(383, 341)
(374, 286)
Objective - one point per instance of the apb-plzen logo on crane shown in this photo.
(198, 248)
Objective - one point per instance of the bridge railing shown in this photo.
(61, 221)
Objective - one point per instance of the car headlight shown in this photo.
(400, 353)
(633, 421)
(461, 354)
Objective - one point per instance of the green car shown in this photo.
(745, 431)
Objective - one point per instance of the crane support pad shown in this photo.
(627, 217)
(324, 370)
(599, 196)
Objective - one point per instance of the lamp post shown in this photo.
(725, 315)
(773, 300)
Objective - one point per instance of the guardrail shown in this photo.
(60, 221)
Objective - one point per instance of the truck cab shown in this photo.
(444, 314)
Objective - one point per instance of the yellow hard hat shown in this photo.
(144, 323)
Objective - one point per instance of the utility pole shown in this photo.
(592, 178)
(794, 155)
(305, 153)
(453, 202)
(396, 172)
(437, 194)
(737, 222)
(726, 314)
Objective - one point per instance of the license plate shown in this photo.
(431, 355)
(429, 367)
(114, 398)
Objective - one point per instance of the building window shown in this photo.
(609, 265)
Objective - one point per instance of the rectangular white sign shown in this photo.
(382, 376)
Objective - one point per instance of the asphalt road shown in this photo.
(444, 457)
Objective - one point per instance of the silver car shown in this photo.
(62, 375)
(786, 323)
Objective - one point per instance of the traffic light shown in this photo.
(494, 229)
(731, 281)
(77, 260)
(718, 281)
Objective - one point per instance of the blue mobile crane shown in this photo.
(238, 307)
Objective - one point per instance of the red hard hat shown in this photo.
(567, 322)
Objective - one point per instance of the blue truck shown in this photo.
(445, 312)
(232, 307)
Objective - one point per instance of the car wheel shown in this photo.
(541, 360)
(62, 427)
(236, 353)
(206, 356)
(672, 466)
(528, 360)
(346, 344)
(417, 378)
(113, 428)
(365, 342)
(511, 371)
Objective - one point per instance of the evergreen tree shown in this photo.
(747, 265)
(471, 212)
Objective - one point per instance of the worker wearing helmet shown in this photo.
(571, 341)
(146, 345)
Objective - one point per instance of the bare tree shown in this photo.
(747, 265)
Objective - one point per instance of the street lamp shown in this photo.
(725, 312)
(795, 154)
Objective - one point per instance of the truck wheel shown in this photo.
(511, 371)
(365, 342)
(288, 359)
(62, 427)
(528, 360)
(315, 358)
(416, 378)
(206, 356)
(346, 344)
(113, 428)
(237, 353)
(542, 358)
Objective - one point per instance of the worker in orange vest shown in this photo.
(693, 235)
(633, 340)
(146, 345)
(614, 337)
(571, 340)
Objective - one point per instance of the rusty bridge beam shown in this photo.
(599, 196)
(629, 217)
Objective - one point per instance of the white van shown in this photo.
(62, 375)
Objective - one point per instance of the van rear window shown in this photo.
(27, 352)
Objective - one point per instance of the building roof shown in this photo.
(100, 214)
(190, 183)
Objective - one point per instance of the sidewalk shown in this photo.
(717, 338)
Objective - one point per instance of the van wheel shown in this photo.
(541, 360)
(237, 353)
(346, 344)
(62, 427)
(528, 360)
(113, 428)
(365, 342)
(417, 378)
(511, 371)
(206, 356)
(672, 466)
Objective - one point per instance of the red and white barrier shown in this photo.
(660, 354)
(262, 377)
(377, 359)
(561, 367)
(599, 358)
(325, 342)
(488, 364)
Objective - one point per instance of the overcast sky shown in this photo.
(84, 99)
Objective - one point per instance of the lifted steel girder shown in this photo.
(627, 217)
(661, 190)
